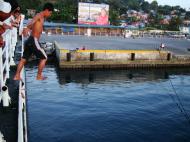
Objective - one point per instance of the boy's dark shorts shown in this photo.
(32, 46)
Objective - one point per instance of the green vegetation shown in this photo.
(67, 11)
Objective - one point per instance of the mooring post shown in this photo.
(91, 56)
(169, 56)
(132, 56)
(68, 57)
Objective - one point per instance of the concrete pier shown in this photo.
(110, 59)
(116, 52)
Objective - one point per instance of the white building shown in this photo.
(185, 28)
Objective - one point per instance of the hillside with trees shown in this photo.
(157, 14)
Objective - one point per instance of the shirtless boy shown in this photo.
(32, 43)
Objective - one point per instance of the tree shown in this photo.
(174, 24)
(134, 4)
(29, 4)
(114, 15)
(67, 11)
(145, 7)
(154, 5)
(114, 4)
(165, 10)
(187, 15)
(114, 11)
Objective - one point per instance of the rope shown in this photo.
(178, 102)
(180, 105)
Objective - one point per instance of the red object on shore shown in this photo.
(83, 48)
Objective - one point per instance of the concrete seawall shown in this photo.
(107, 59)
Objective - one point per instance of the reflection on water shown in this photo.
(134, 75)
(114, 106)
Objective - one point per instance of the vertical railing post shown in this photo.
(20, 32)
(7, 56)
(1, 71)
(20, 116)
(13, 45)
(10, 48)
(91, 56)
(22, 119)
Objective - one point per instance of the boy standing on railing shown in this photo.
(32, 45)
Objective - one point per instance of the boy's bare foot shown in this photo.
(17, 78)
(41, 78)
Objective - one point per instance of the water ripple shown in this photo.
(107, 106)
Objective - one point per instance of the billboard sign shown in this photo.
(93, 14)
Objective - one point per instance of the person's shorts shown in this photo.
(32, 46)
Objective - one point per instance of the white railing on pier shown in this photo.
(22, 116)
(6, 60)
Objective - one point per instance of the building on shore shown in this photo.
(185, 28)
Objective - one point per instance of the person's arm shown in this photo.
(16, 22)
(6, 24)
(1, 23)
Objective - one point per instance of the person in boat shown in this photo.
(32, 45)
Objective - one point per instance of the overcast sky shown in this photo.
(182, 3)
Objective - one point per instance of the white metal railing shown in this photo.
(6, 60)
(22, 116)
(5, 56)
